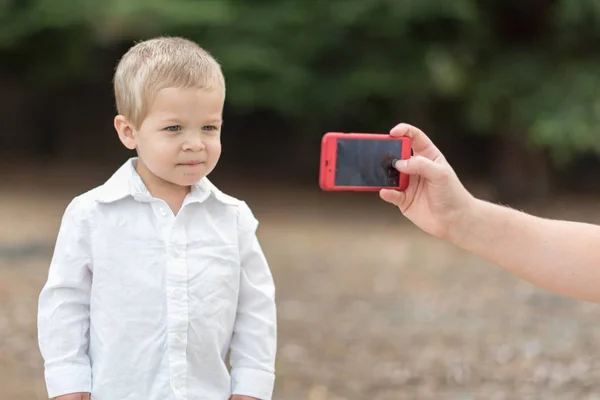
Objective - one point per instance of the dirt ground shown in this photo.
(369, 307)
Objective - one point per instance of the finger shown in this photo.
(420, 142)
(418, 165)
(392, 196)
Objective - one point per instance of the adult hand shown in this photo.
(435, 199)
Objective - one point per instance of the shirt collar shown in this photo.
(127, 182)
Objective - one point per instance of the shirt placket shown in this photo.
(177, 300)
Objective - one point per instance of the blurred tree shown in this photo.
(524, 73)
(533, 86)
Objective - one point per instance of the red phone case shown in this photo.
(328, 161)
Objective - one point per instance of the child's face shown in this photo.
(179, 141)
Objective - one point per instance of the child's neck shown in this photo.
(172, 194)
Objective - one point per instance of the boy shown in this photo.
(157, 274)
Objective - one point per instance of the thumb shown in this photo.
(431, 171)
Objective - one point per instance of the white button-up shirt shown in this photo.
(144, 305)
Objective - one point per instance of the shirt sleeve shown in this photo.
(63, 309)
(254, 342)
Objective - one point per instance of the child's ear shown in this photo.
(126, 132)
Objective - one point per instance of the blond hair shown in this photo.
(158, 63)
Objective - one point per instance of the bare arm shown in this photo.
(561, 256)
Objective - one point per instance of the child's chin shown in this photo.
(189, 180)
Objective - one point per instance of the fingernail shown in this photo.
(401, 164)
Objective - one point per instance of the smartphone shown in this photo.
(362, 162)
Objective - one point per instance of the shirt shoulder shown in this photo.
(245, 215)
(82, 207)
(223, 197)
(88, 200)
(78, 214)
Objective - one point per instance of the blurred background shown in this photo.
(369, 307)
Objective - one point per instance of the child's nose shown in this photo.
(194, 144)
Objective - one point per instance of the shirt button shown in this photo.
(178, 294)
(162, 211)
(180, 337)
(178, 383)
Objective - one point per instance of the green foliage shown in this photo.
(515, 68)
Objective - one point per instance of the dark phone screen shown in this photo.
(367, 162)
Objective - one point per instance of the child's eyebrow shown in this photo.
(174, 119)
(169, 118)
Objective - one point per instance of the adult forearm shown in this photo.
(561, 256)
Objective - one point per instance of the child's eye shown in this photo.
(173, 128)
(210, 128)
